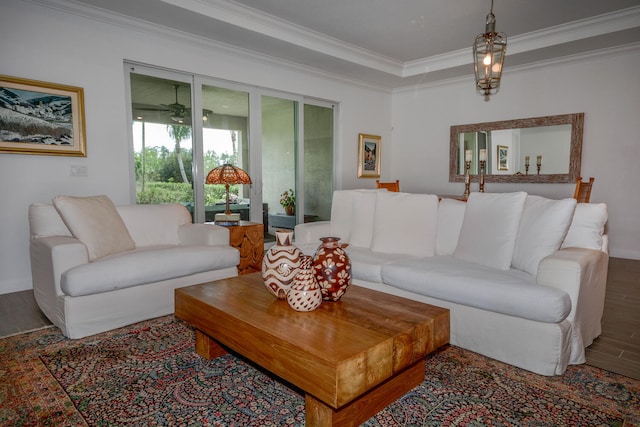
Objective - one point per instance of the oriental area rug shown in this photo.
(148, 374)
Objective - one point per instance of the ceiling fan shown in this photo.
(177, 111)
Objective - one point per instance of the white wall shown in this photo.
(43, 43)
(606, 88)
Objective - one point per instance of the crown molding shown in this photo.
(577, 30)
(268, 25)
(575, 58)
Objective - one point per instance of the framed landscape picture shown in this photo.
(369, 156)
(41, 118)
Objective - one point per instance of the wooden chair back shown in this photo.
(583, 190)
(390, 186)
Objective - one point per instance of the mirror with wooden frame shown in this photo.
(534, 150)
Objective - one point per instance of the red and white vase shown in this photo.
(332, 268)
(305, 294)
(280, 264)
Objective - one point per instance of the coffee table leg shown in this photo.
(207, 347)
(319, 414)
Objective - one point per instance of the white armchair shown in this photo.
(84, 296)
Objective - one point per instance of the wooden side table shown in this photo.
(248, 237)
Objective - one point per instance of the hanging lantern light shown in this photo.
(489, 51)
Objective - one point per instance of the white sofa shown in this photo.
(85, 287)
(524, 277)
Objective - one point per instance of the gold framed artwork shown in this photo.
(41, 118)
(369, 156)
(503, 157)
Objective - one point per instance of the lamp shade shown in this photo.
(228, 174)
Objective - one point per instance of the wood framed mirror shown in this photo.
(534, 150)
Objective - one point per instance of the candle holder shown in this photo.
(467, 180)
(539, 163)
(482, 164)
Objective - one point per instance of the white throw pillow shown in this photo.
(363, 209)
(44, 221)
(543, 226)
(450, 217)
(96, 223)
(405, 224)
(587, 228)
(489, 228)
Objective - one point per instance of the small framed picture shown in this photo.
(41, 118)
(369, 156)
(503, 158)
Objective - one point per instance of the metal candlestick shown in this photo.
(482, 164)
(467, 180)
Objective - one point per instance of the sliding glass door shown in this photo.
(279, 163)
(162, 139)
(225, 139)
(283, 141)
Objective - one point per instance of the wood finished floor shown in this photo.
(617, 349)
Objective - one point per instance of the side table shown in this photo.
(248, 237)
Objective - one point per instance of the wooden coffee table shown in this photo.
(352, 358)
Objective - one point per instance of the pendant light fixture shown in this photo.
(489, 51)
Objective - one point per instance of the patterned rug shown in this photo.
(149, 375)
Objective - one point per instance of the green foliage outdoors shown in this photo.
(171, 192)
(161, 174)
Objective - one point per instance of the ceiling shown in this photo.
(392, 43)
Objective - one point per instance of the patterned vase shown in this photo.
(305, 294)
(332, 268)
(280, 264)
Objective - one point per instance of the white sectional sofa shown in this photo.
(97, 267)
(524, 277)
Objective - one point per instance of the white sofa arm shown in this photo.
(581, 273)
(203, 234)
(50, 258)
(311, 232)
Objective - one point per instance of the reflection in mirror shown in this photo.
(541, 149)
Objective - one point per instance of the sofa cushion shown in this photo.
(363, 206)
(511, 292)
(394, 233)
(146, 265)
(587, 227)
(543, 226)
(450, 217)
(489, 228)
(341, 214)
(367, 265)
(153, 225)
(96, 223)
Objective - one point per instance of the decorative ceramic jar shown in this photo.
(280, 264)
(332, 268)
(290, 210)
(305, 294)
